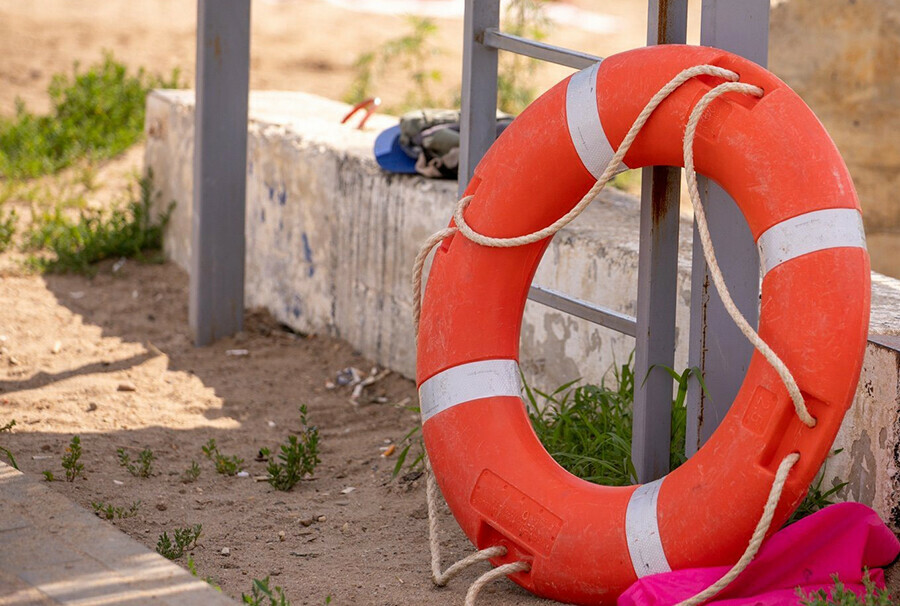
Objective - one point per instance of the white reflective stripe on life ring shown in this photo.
(583, 118)
(642, 531)
(467, 382)
(809, 232)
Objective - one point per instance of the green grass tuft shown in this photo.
(77, 244)
(263, 595)
(183, 539)
(298, 457)
(97, 113)
(839, 595)
(587, 429)
(7, 228)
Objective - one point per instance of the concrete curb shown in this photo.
(54, 552)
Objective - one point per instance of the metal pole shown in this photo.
(716, 345)
(220, 161)
(477, 129)
(657, 274)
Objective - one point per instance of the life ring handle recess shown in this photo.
(586, 543)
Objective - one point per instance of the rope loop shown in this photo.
(731, 85)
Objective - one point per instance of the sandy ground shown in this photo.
(307, 45)
(351, 532)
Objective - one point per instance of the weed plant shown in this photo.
(191, 473)
(816, 498)
(8, 429)
(839, 595)
(110, 512)
(144, 466)
(70, 460)
(412, 54)
(183, 539)
(225, 465)
(96, 113)
(263, 595)
(587, 429)
(8, 222)
(76, 245)
(192, 568)
(298, 457)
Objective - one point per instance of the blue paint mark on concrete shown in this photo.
(271, 192)
(262, 215)
(280, 225)
(282, 196)
(296, 307)
(308, 255)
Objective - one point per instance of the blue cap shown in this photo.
(390, 154)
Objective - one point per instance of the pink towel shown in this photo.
(842, 539)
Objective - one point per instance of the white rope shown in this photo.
(611, 168)
(710, 254)
(442, 578)
(496, 573)
(759, 534)
(787, 463)
(419, 266)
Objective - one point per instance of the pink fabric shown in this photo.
(841, 539)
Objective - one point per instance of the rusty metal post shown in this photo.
(657, 275)
(717, 347)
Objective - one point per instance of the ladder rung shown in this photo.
(494, 38)
(587, 311)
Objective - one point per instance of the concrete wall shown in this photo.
(331, 239)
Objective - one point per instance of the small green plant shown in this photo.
(839, 595)
(48, 476)
(816, 498)
(5, 451)
(96, 114)
(76, 245)
(70, 460)
(110, 512)
(587, 429)
(262, 595)
(191, 473)
(412, 441)
(7, 228)
(524, 18)
(228, 466)
(192, 568)
(183, 539)
(298, 456)
(144, 466)
(410, 54)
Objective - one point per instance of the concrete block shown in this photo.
(869, 439)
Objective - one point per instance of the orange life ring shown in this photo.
(587, 543)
